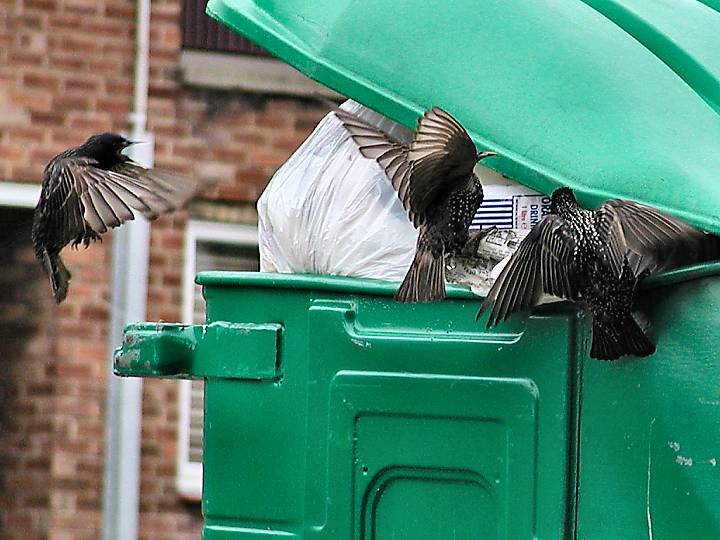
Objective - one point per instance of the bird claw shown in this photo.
(471, 247)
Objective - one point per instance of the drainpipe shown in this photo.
(128, 304)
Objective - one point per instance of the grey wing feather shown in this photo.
(390, 154)
(640, 232)
(542, 264)
(157, 190)
(102, 199)
(443, 156)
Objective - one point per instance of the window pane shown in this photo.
(211, 255)
(201, 32)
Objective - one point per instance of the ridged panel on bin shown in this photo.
(439, 456)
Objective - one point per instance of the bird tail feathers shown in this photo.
(612, 340)
(425, 279)
(59, 275)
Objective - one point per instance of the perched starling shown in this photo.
(435, 182)
(598, 257)
(90, 189)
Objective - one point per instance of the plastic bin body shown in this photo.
(333, 412)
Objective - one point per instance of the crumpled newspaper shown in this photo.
(479, 271)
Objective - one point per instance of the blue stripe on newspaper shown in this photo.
(516, 212)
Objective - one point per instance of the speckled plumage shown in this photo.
(598, 257)
(436, 184)
(610, 298)
(89, 189)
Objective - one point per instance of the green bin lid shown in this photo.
(614, 98)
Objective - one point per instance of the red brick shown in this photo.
(232, 153)
(67, 62)
(249, 139)
(31, 99)
(18, 57)
(242, 193)
(267, 157)
(68, 102)
(82, 43)
(166, 13)
(92, 123)
(65, 21)
(275, 121)
(11, 152)
(31, 21)
(41, 5)
(28, 133)
(191, 149)
(120, 10)
(115, 106)
(50, 118)
(86, 84)
(251, 175)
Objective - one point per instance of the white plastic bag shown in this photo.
(329, 210)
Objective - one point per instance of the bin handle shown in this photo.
(182, 351)
(156, 350)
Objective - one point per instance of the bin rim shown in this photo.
(376, 287)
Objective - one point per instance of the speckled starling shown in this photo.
(436, 184)
(89, 189)
(599, 258)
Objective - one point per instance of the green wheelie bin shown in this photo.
(332, 412)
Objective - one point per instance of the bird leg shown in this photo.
(471, 246)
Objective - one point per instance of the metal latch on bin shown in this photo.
(217, 350)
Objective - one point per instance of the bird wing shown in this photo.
(102, 199)
(543, 263)
(389, 153)
(443, 156)
(650, 239)
(60, 208)
(170, 190)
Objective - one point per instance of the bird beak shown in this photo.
(130, 143)
(482, 155)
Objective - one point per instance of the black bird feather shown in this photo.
(90, 189)
(434, 179)
(598, 257)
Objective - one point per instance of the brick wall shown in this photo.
(65, 73)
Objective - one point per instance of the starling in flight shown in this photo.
(91, 188)
(597, 257)
(436, 184)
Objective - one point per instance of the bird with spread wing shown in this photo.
(90, 189)
(599, 258)
(435, 182)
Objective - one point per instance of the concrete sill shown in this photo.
(246, 73)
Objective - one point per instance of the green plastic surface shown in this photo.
(388, 420)
(333, 412)
(650, 436)
(614, 98)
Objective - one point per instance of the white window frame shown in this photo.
(189, 475)
(19, 195)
